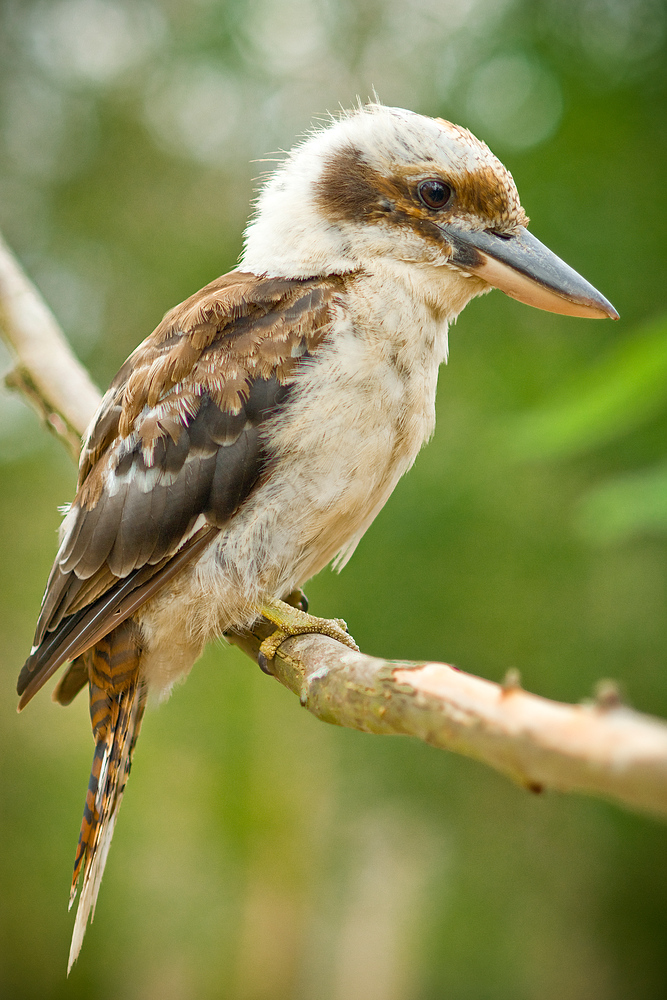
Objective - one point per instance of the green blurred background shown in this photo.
(262, 855)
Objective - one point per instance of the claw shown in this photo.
(297, 599)
(269, 648)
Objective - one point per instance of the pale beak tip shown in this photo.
(606, 310)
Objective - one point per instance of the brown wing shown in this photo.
(173, 452)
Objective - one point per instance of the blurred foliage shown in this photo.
(262, 855)
(625, 391)
(627, 505)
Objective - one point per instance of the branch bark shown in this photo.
(602, 748)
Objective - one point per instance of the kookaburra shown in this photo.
(253, 437)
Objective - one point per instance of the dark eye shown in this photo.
(434, 193)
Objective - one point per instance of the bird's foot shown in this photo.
(290, 620)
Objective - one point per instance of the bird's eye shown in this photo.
(434, 193)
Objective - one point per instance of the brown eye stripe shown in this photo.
(349, 189)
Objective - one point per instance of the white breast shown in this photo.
(354, 425)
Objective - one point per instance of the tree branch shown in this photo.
(47, 374)
(602, 748)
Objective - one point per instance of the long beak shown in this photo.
(524, 268)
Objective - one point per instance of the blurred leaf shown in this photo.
(626, 389)
(626, 506)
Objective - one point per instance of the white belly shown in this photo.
(355, 426)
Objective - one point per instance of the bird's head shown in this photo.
(384, 184)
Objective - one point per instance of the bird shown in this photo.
(253, 437)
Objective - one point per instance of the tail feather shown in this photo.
(117, 702)
(72, 681)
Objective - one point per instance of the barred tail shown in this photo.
(117, 702)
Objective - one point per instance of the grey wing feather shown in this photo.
(92, 623)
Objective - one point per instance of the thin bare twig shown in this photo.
(46, 373)
(602, 748)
